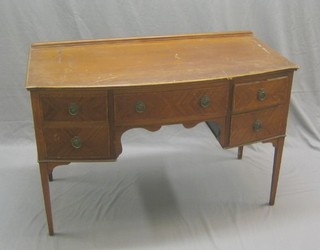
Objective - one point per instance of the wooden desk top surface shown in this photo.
(150, 60)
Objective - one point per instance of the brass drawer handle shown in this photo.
(73, 109)
(76, 142)
(257, 126)
(261, 95)
(205, 101)
(140, 107)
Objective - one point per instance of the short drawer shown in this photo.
(74, 107)
(255, 126)
(260, 94)
(170, 106)
(77, 143)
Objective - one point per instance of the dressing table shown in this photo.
(86, 94)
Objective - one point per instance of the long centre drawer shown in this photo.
(149, 106)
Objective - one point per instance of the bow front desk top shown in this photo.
(86, 94)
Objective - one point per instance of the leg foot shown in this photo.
(240, 152)
(46, 170)
(46, 195)
(278, 144)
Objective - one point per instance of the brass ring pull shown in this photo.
(205, 101)
(140, 107)
(73, 109)
(257, 126)
(261, 95)
(76, 142)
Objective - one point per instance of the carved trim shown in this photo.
(152, 128)
(51, 165)
(119, 132)
(190, 124)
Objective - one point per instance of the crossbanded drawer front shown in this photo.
(255, 126)
(170, 106)
(260, 94)
(74, 107)
(77, 143)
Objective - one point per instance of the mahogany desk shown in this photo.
(86, 94)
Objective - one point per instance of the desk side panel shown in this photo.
(38, 122)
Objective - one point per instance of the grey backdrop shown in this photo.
(290, 26)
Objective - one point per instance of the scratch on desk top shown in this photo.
(263, 48)
(176, 56)
(60, 55)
